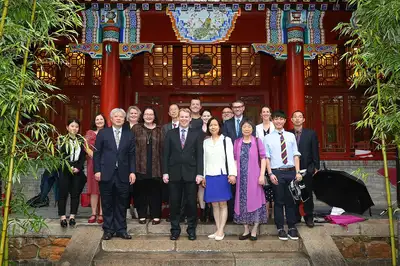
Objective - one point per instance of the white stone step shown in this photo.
(202, 244)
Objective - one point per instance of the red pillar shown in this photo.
(295, 71)
(110, 75)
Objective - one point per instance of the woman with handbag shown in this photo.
(72, 180)
(93, 185)
(249, 154)
(219, 172)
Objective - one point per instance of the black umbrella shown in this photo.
(341, 189)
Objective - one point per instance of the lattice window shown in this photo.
(245, 65)
(201, 65)
(75, 68)
(307, 72)
(329, 69)
(96, 72)
(46, 70)
(332, 124)
(158, 66)
(360, 138)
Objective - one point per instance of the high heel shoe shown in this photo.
(63, 223)
(72, 222)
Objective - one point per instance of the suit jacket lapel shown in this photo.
(189, 137)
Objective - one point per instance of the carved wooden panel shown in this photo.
(158, 66)
(245, 65)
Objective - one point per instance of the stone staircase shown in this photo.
(151, 246)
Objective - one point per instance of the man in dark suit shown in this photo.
(183, 170)
(173, 112)
(114, 167)
(307, 142)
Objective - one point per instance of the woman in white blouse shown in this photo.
(263, 129)
(219, 172)
(266, 126)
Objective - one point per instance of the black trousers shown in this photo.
(70, 184)
(114, 196)
(283, 198)
(309, 204)
(149, 195)
(176, 190)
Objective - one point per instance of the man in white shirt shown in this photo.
(283, 166)
(173, 112)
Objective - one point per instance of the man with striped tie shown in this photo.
(283, 165)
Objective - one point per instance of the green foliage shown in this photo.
(54, 20)
(374, 33)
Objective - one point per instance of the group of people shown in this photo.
(236, 167)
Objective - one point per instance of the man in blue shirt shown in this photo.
(283, 165)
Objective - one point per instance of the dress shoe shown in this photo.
(174, 237)
(63, 223)
(154, 222)
(123, 235)
(72, 222)
(244, 237)
(192, 237)
(253, 238)
(310, 222)
(107, 236)
(142, 221)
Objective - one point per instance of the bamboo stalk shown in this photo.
(6, 251)
(14, 142)
(3, 17)
(387, 182)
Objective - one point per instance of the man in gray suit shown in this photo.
(173, 112)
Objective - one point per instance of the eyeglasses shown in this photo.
(237, 107)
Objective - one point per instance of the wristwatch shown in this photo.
(269, 174)
(298, 172)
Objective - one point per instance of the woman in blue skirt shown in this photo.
(219, 172)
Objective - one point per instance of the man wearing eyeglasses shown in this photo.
(227, 114)
(232, 126)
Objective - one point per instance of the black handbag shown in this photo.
(226, 158)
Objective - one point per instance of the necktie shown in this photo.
(283, 149)
(183, 138)
(117, 137)
(298, 134)
(237, 126)
(174, 125)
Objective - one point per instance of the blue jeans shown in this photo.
(282, 197)
(48, 180)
